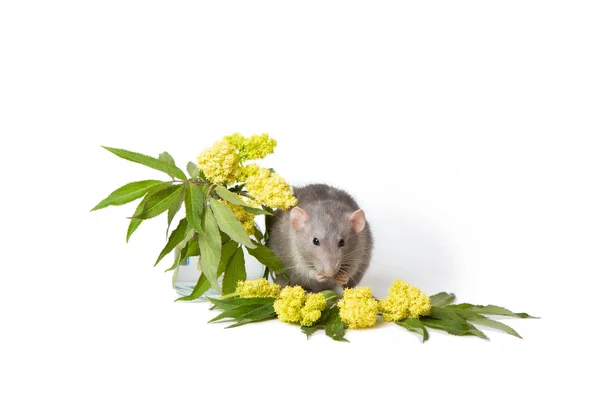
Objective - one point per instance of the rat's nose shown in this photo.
(328, 270)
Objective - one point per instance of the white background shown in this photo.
(467, 130)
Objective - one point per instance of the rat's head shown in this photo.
(327, 236)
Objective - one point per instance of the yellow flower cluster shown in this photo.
(294, 305)
(404, 301)
(271, 189)
(223, 164)
(220, 163)
(257, 288)
(358, 308)
(256, 147)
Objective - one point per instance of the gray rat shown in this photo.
(324, 242)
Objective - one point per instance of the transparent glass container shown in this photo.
(186, 275)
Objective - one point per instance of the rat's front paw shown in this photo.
(320, 277)
(341, 278)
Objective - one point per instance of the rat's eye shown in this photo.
(316, 242)
(341, 243)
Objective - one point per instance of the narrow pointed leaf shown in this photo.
(176, 237)
(194, 205)
(234, 272)
(446, 313)
(442, 299)
(229, 224)
(453, 327)
(415, 325)
(191, 249)
(228, 196)
(174, 208)
(481, 320)
(266, 257)
(127, 193)
(257, 211)
(489, 310)
(235, 312)
(176, 262)
(227, 252)
(159, 202)
(252, 321)
(259, 313)
(201, 287)
(135, 222)
(148, 161)
(209, 241)
(226, 304)
(258, 234)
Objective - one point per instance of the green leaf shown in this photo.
(201, 287)
(453, 327)
(194, 205)
(262, 313)
(229, 303)
(174, 208)
(227, 252)
(258, 234)
(229, 224)
(209, 241)
(127, 193)
(191, 249)
(481, 320)
(251, 321)
(234, 272)
(309, 330)
(224, 237)
(441, 299)
(257, 211)
(415, 325)
(334, 327)
(489, 310)
(445, 313)
(176, 262)
(135, 222)
(228, 196)
(166, 157)
(330, 296)
(148, 161)
(235, 312)
(176, 237)
(159, 202)
(259, 313)
(193, 170)
(265, 256)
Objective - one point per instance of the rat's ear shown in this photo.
(358, 220)
(298, 217)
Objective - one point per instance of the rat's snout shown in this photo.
(329, 268)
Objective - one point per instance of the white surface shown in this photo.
(466, 130)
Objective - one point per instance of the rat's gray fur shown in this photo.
(329, 210)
